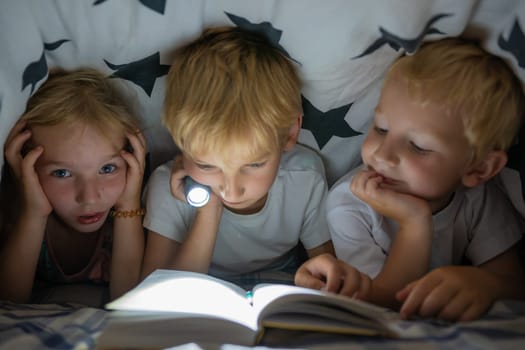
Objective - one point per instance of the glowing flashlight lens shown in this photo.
(197, 194)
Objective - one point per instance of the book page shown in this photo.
(190, 293)
(264, 294)
(292, 307)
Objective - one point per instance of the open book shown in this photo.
(170, 307)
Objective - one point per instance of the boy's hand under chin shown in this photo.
(369, 186)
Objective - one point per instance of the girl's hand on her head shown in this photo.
(367, 186)
(136, 161)
(22, 167)
(326, 272)
(14, 143)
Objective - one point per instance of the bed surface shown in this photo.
(74, 326)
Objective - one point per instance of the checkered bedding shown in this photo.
(72, 326)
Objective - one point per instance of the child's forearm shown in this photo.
(127, 254)
(195, 253)
(507, 274)
(19, 258)
(504, 286)
(408, 259)
(324, 248)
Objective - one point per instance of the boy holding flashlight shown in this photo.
(233, 107)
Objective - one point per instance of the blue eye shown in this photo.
(61, 173)
(108, 169)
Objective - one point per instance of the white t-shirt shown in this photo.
(479, 224)
(294, 211)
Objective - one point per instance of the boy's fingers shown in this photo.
(335, 282)
(417, 296)
(176, 184)
(403, 293)
(412, 302)
(442, 295)
(305, 278)
(364, 287)
(453, 309)
(473, 312)
(358, 181)
(351, 282)
(365, 184)
(341, 278)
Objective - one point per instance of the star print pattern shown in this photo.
(324, 125)
(155, 5)
(34, 72)
(265, 28)
(409, 45)
(37, 70)
(143, 72)
(515, 44)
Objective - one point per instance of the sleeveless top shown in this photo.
(96, 270)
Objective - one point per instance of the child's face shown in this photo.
(81, 173)
(420, 149)
(242, 182)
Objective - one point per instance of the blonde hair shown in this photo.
(471, 83)
(230, 88)
(83, 95)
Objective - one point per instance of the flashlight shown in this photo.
(197, 194)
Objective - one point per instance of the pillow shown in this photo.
(342, 49)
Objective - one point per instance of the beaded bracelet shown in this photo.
(127, 213)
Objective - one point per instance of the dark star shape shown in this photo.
(324, 125)
(515, 44)
(37, 70)
(54, 45)
(143, 72)
(155, 5)
(34, 72)
(265, 29)
(396, 42)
